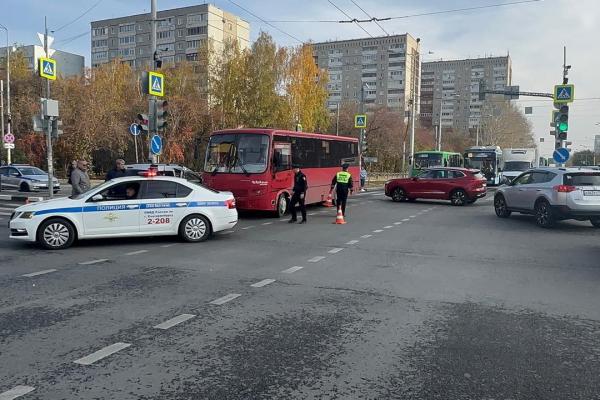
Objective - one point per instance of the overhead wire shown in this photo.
(79, 17)
(367, 14)
(352, 19)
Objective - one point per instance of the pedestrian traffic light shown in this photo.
(365, 145)
(562, 122)
(142, 121)
(161, 115)
(56, 131)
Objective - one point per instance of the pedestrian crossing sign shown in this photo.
(47, 68)
(564, 93)
(360, 121)
(156, 84)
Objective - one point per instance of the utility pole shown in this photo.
(439, 141)
(337, 121)
(361, 140)
(49, 128)
(153, 19)
(8, 115)
(413, 112)
(2, 109)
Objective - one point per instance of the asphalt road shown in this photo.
(406, 301)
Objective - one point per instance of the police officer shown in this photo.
(343, 183)
(298, 195)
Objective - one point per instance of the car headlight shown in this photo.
(26, 215)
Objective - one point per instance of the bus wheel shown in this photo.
(282, 205)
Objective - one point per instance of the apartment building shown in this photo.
(67, 64)
(180, 33)
(450, 90)
(387, 67)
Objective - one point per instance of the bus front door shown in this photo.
(283, 175)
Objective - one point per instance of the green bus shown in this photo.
(428, 159)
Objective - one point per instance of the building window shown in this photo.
(126, 28)
(164, 35)
(126, 40)
(127, 52)
(180, 46)
(180, 32)
(100, 55)
(179, 21)
(191, 57)
(197, 30)
(165, 22)
(194, 19)
(99, 31)
(100, 43)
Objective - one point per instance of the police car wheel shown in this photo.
(24, 187)
(56, 234)
(194, 228)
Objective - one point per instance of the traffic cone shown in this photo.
(339, 219)
(329, 201)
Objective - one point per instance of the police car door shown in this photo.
(162, 209)
(113, 211)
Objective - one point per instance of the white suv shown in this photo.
(552, 194)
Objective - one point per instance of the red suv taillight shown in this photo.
(230, 203)
(564, 188)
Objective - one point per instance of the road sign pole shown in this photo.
(49, 130)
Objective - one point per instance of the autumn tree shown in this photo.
(505, 126)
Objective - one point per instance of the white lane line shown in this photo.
(398, 223)
(266, 223)
(366, 236)
(7, 209)
(248, 227)
(406, 219)
(352, 242)
(388, 227)
(15, 392)
(6, 214)
(262, 283)
(412, 216)
(133, 253)
(291, 270)
(335, 250)
(312, 213)
(225, 299)
(174, 321)
(168, 245)
(100, 260)
(226, 232)
(316, 259)
(283, 219)
(102, 353)
(32, 274)
(377, 231)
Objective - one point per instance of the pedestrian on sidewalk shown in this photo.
(80, 180)
(342, 181)
(298, 195)
(363, 179)
(118, 171)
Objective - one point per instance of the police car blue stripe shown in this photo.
(128, 207)
(59, 210)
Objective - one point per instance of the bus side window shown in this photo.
(282, 157)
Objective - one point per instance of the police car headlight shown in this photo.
(26, 215)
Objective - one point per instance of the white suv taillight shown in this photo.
(230, 203)
(564, 188)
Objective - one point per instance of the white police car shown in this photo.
(128, 206)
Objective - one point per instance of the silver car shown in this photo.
(25, 178)
(551, 195)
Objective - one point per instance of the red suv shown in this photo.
(459, 185)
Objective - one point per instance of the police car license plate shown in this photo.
(591, 192)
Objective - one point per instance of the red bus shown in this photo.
(256, 165)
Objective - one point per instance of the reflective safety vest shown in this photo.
(343, 177)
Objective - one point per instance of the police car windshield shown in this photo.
(31, 171)
(86, 193)
(239, 153)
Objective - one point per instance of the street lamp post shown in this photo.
(8, 115)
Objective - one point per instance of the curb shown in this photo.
(23, 199)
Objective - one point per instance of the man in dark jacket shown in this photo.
(117, 172)
(342, 181)
(298, 195)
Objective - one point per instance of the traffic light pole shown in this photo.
(152, 112)
(563, 141)
(49, 128)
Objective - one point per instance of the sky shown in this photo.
(532, 33)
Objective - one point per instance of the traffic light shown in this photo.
(142, 121)
(562, 122)
(56, 131)
(365, 145)
(161, 114)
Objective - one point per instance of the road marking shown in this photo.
(267, 223)
(5, 214)
(352, 242)
(226, 232)
(102, 353)
(100, 260)
(412, 216)
(32, 274)
(15, 392)
(316, 259)
(366, 236)
(262, 283)
(133, 253)
(248, 227)
(283, 219)
(377, 231)
(312, 213)
(398, 223)
(405, 219)
(291, 270)
(7, 209)
(388, 227)
(335, 250)
(174, 321)
(225, 299)
(168, 245)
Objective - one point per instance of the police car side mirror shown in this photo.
(97, 197)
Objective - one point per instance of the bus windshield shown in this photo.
(517, 165)
(426, 160)
(237, 153)
(480, 161)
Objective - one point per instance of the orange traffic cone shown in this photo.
(339, 219)
(329, 201)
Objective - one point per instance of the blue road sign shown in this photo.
(134, 129)
(156, 144)
(561, 155)
(564, 93)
